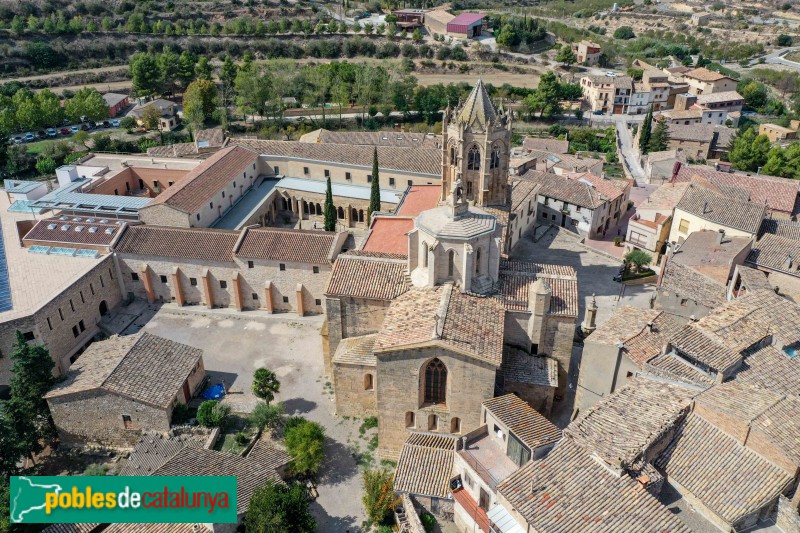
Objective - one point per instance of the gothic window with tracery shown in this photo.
(495, 159)
(474, 159)
(435, 382)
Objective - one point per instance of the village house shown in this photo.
(777, 133)
(607, 94)
(116, 103)
(167, 117)
(700, 141)
(122, 386)
(650, 227)
(704, 81)
(587, 52)
(777, 254)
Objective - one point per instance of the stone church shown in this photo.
(422, 339)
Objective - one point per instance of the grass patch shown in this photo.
(229, 444)
(35, 148)
(369, 423)
(638, 275)
(389, 464)
(373, 443)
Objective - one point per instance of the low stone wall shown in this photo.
(642, 281)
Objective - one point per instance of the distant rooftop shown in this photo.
(344, 190)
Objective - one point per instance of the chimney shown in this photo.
(705, 208)
(464, 442)
(720, 235)
(650, 327)
(788, 263)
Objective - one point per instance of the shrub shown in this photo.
(212, 414)
(95, 470)
(265, 416)
(304, 442)
(624, 33)
(180, 414)
(368, 423)
(379, 497)
(428, 522)
(638, 258)
(242, 439)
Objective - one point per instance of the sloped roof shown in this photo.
(564, 189)
(477, 111)
(268, 455)
(722, 209)
(154, 449)
(777, 253)
(515, 278)
(373, 138)
(368, 275)
(556, 146)
(291, 245)
(769, 367)
(524, 421)
(206, 180)
(426, 464)
(183, 243)
(704, 74)
(356, 351)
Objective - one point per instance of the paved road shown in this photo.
(777, 58)
(630, 155)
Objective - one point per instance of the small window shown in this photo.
(327, 173)
(60, 313)
(91, 289)
(83, 301)
(223, 284)
(254, 296)
(198, 216)
(317, 301)
(316, 270)
(75, 332)
(71, 305)
(368, 382)
(348, 176)
(81, 326)
(223, 194)
(684, 226)
(276, 170)
(249, 264)
(193, 282)
(684, 302)
(286, 299)
(410, 419)
(468, 480)
(211, 205)
(102, 283)
(282, 266)
(433, 422)
(127, 422)
(163, 279)
(369, 178)
(28, 336)
(455, 425)
(155, 183)
(410, 183)
(391, 182)
(49, 324)
(169, 183)
(534, 349)
(305, 171)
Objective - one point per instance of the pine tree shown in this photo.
(375, 190)
(644, 135)
(659, 140)
(330, 211)
(32, 377)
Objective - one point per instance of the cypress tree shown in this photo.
(330, 211)
(647, 128)
(659, 140)
(375, 190)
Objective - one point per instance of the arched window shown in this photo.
(424, 253)
(305, 207)
(478, 261)
(368, 383)
(433, 422)
(410, 420)
(361, 215)
(319, 209)
(495, 160)
(451, 263)
(435, 382)
(340, 213)
(474, 159)
(354, 215)
(455, 425)
(452, 155)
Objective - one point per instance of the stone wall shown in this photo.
(603, 370)
(355, 395)
(539, 397)
(351, 317)
(68, 322)
(788, 518)
(164, 215)
(95, 416)
(469, 383)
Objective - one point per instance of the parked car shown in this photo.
(598, 112)
(106, 124)
(75, 129)
(18, 139)
(115, 123)
(51, 132)
(92, 125)
(64, 131)
(30, 137)
(85, 127)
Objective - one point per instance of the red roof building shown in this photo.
(467, 24)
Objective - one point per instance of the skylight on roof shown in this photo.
(80, 228)
(65, 227)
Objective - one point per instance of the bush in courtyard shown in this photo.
(638, 258)
(304, 441)
(212, 414)
(180, 415)
(265, 416)
(379, 496)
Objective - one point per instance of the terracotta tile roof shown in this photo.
(157, 528)
(388, 235)
(771, 368)
(780, 194)
(370, 276)
(75, 231)
(520, 367)
(291, 245)
(153, 449)
(648, 344)
(390, 158)
(723, 210)
(426, 464)
(731, 480)
(699, 346)
(675, 368)
(754, 280)
(373, 138)
(688, 283)
(556, 146)
(523, 191)
(782, 228)
(182, 243)
(250, 474)
(738, 400)
(565, 189)
(515, 278)
(468, 324)
(625, 324)
(622, 427)
(417, 199)
(776, 253)
(575, 163)
(701, 252)
(570, 491)
(704, 74)
(268, 455)
(72, 528)
(780, 424)
(611, 189)
(356, 351)
(665, 198)
(724, 96)
(524, 421)
(206, 180)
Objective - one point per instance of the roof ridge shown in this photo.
(123, 356)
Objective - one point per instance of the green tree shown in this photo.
(566, 56)
(151, 118)
(212, 414)
(375, 187)
(50, 107)
(749, 151)
(11, 450)
(659, 140)
(638, 258)
(546, 98)
(416, 37)
(279, 508)
(169, 64)
(203, 69)
(329, 209)
(755, 94)
(28, 116)
(782, 40)
(46, 166)
(379, 496)
(186, 64)
(646, 132)
(31, 378)
(305, 443)
(776, 164)
(265, 384)
(86, 102)
(624, 33)
(253, 91)
(145, 74)
(199, 102)
(266, 416)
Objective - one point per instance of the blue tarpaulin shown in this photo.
(214, 392)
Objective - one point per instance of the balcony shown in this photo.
(488, 460)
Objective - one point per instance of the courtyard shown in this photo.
(235, 345)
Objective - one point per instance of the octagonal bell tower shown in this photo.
(475, 149)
